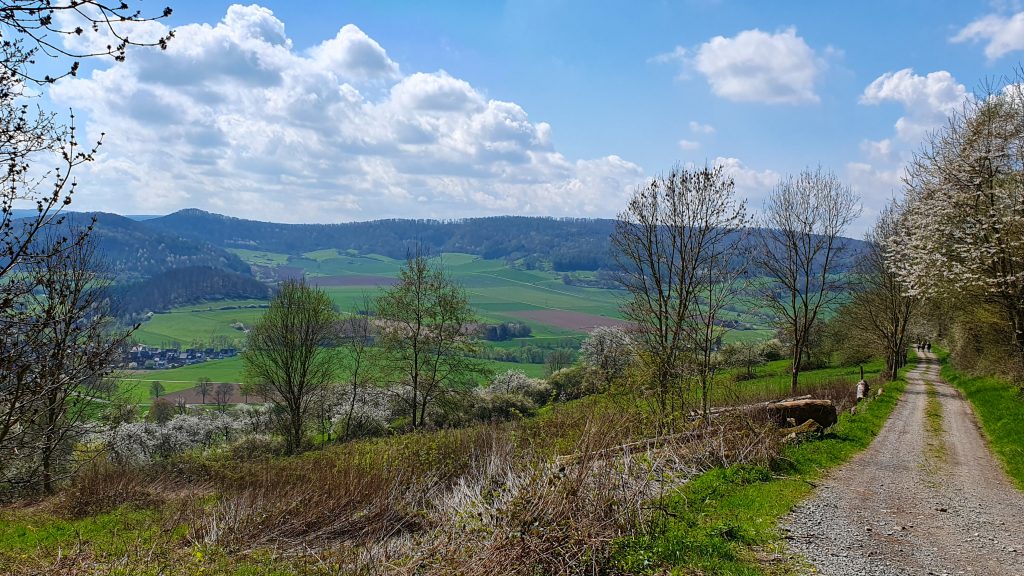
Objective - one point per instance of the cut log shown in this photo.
(821, 411)
(808, 427)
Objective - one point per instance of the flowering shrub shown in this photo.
(142, 442)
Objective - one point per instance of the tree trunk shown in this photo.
(351, 410)
(296, 431)
(797, 353)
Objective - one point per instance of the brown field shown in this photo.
(569, 320)
(352, 281)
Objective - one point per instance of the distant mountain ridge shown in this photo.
(138, 250)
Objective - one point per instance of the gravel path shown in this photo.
(913, 503)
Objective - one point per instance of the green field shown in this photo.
(498, 293)
(136, 385)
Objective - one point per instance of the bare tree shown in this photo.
(801, 248)
(32, 141)
(673, 243)
(358, 358)
(222, 394)
(72, 347)
(556, 360)
(203, 385)
(426, 331)
(290, 355)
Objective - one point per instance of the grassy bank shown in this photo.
(724, 521)
(227, 512)
(1000, 408)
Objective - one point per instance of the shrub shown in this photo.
(500, 406)
(573, 382)
(518, 383)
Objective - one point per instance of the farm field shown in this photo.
(559, 315)
(136, 385)
(498, 292)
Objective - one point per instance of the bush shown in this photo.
(501, 406)
(518, 383)
(573, 382)
(256, 447)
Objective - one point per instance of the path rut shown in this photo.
(914, 502)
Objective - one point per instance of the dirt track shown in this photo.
(914, 503)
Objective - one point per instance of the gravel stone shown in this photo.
(899, 508)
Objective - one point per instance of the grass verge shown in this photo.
(933, 418)
(999, 406)
(725, 520)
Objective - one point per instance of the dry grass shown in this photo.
(484, 500)
(101, 487)
(547, 495)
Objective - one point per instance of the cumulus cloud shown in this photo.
(874, 184)
(927, 100)
(698, 128)
(750, 183)
(232, 118)
(877, 150)
(689, 144)
(756, 66)
(1001, 34)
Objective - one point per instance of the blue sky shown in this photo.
(358, 110)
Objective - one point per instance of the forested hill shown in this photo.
(181, 286)
(567, 244)
(135, 250)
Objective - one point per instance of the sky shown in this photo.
(357, 110)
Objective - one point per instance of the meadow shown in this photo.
(497, 291)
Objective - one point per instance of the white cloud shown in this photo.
(755, 66)
(232, 118)
(1002, 34)
(875, 185)
(927, 100)
(355, 54)
(698, 128)
(752, 184)
(877, 150)
(678, 54)
(689, 144)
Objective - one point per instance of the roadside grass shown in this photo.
(725, 520)
(999, 405)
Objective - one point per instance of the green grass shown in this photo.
(716, 523)
(496, 291)
(1000, 408)
(23, 533)
(196, 325)
(125, 542)
(260, 258)
(933, 417)
(136, 385)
